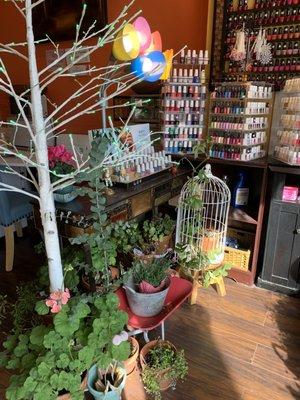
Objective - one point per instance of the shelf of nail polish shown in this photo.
(288, 155)
(237, 153)
(239, 123)
(184, 103)
(134, 171)
(289, 138)
(239, 118)
(280, 21)
(288, 147)
(184, 91)
(241, 91)
(243, 138)
(174, 146)
(192, 57)
(186, 132)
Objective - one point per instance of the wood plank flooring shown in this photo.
(245, 346)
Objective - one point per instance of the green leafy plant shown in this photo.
(163, 362)
(127, 235)
(73, 259)
(153, 272)
(157, 229)
(210, 275)
(190, 258)
(4, 307)
(51, 360)
(22, 315)
(103, 249)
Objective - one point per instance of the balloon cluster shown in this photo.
(137, 44)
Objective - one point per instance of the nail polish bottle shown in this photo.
(194, 57)
(185, 76)
(201, 58)
(191, 73)
(175, 79)
(206, 57)
(196, 92)
(182, 56)
(187, 106)
(196, 76)
(173, 91)
(296, 49)
(188, 57)
(179, 92)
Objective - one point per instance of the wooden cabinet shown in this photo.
(281, 264)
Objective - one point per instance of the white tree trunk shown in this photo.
(47, 207)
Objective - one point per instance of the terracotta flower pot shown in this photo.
(131, 362)
(164, 382)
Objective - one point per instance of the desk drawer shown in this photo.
(141, 204)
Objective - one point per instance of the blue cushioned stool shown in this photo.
(13, 208)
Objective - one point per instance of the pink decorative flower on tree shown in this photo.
(58, 154)
(57, 299)
(60, 161)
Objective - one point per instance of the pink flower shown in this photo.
(59, 154)
(57, 299)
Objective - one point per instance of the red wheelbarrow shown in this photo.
(180, 290)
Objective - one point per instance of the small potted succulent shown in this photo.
(147, 286)
(106, 384)
(60, 164)
(162, 366)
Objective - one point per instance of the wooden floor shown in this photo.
(245, 346)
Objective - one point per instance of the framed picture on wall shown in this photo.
(58, 18)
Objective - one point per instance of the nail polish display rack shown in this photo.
(239, 120)
(288, 147)
(280, 19)
(146, 164)
(184, 103)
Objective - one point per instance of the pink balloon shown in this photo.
(144, 33)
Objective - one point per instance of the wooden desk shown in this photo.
(74, 218)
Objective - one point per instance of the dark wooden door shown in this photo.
(282, 250)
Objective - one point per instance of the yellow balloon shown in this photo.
(126, 45)
(169, 57)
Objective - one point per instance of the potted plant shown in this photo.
(159, 232)
(162, 366)
(60, 164)
(131, 363)
(106, 384)
(147, 285)
(51, 361)
(197, 265)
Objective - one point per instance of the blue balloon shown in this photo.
(150, 66)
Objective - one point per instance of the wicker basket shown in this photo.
(238, 258)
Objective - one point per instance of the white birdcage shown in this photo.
(203, 216)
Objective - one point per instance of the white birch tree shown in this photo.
(40, 128)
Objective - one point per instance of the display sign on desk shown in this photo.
(139, 134)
